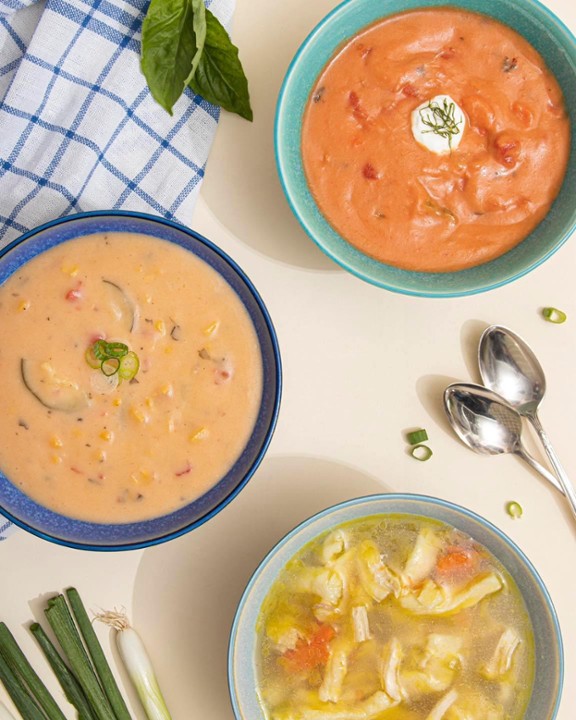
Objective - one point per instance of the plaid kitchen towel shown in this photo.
(79, 129)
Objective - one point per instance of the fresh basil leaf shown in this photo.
(219, 77)
(199, 24)
(173, 35)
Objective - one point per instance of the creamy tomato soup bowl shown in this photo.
(142, 380)
(401, 606)
(412, 189)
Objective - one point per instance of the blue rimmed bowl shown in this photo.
(555, 43)
(549, 658)
(47, 524)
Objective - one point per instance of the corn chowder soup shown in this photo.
(435, 140)
(394, 617)
(132, 377)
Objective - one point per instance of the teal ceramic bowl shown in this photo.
(242, 663)
(539, 26)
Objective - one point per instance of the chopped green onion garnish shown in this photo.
(116, 349)
(99, 349)
(514, 509)
(110, 366)
(554, 315)
(421, 452)
(112, 358)
(129, 365)
(91, 358)
(417, 437)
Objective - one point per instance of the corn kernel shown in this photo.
(138, 415)
(200, 434)
(56, 459)
(23, 305)
(100, 456)
(168, 350)
(117, 402)
(106, 435)
(160, 326)
(55, 442)
(142, 477)
(71, 270)
(167, 390)
(211, 329)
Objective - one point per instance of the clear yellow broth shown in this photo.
(394, 617)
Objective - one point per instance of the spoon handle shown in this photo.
(539, 468)
(565, 482)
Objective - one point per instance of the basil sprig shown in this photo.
(184, 44)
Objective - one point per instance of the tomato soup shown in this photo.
(132, 377)
(497, 106)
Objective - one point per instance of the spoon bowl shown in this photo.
(509, 367)
(487, 424)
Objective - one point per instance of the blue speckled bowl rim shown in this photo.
(242, 646)
(79, 534)
(287, 126)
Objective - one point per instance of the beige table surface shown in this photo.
(361, 365)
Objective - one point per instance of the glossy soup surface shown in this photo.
(95, 449)
(398, 201)
(394, 617)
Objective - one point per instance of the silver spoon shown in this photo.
(510, 368)
(484, 422)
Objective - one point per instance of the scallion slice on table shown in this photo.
(421, 452)
(417, 437)
(514, 509)
(554, 315)
(138, 665)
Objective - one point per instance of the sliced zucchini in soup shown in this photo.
(51, 391)
(122, 306)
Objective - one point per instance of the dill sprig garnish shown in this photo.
(441, 120)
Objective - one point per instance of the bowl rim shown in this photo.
(391, 497)
(355, 265)
(275, 374)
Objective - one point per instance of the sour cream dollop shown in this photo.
(438, 124)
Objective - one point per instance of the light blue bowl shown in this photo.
(549, 670)
(45, 523)
(540, 27)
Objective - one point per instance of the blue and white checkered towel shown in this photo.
(79, 129)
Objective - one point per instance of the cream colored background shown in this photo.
(361, 366)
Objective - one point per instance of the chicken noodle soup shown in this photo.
(394, 617)
(435, 140)
(132, 377)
